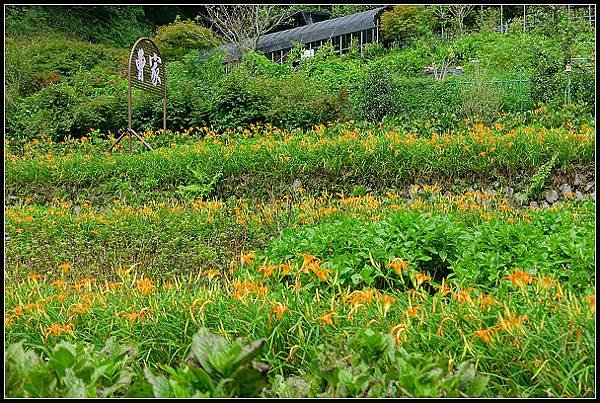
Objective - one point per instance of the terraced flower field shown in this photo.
(342, 262)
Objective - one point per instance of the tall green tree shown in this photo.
(406, 22)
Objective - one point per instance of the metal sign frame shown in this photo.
(155, 81)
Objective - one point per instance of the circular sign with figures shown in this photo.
(146, 69)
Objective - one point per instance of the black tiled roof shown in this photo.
(323, 30)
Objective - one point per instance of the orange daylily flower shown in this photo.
(520, 278)
(65, 267)
(210, 273)
(80, 308)
(308, 258)
(396, 332)
(421, 278)
(327, 318)
(318, 271)
(113, 286)
(464, 295)
(398, 265)
(443, 289)
(546, 282)
(485, 334)
(412, 310)
(244, 288)
(248, 258)
(57, 329)
(387, 300)
(284, 269)
(357, 297)
(511, 323)
(487, 301)
(145, 286)
(591, 299)
(133, 316)
(58, 283)
(266, 270)
(279, 309)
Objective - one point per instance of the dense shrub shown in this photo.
(258, 64)
(177, 39)
(116, 25)
(551, 84)
(406, 62)
(288, 96)
(406, 22)
(32, 65)
(240, 100)
(501, 55)
(206, 69)
(376, 96)
(373, 51)
(381, 95)
(331, 71)
(302, 102)
(49, 112)
(425, 97)
(106, 113)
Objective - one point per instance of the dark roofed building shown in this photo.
(301, 18)
(360, 28)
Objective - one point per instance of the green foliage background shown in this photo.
(66, 73)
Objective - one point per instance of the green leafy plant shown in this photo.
(538, 180)
(215, 368)
(69, 370)
(406, 22)
(376, 96)
(480, 100)
(203, 186)
(371, 366)
(177, 39)
(239, 100)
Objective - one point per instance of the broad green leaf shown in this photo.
(222, 361)
(161, 387)
(249, 352)
(249, 381)
(204, 345)
(63, 356)
(443, 255)
(98, 373)
(180, 390)
(124, 381)
(477, 386)
(200, 380)
(40, 383)
(76, 387)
